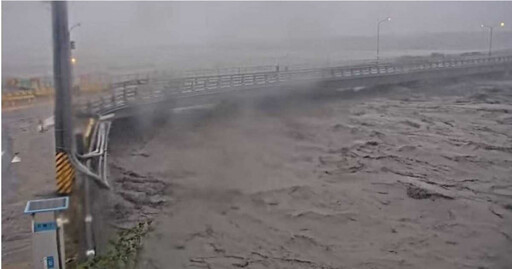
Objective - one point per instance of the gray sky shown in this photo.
(111, 26)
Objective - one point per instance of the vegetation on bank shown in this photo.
(122, 251)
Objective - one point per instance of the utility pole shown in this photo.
(65, 157)
(65, 171)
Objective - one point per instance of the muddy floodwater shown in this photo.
(389, 177)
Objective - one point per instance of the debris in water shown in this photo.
(419, 193)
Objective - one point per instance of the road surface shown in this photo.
(32, 178)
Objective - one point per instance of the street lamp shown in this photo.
(73, 59)
(491, 28)
(72, 44)
(378, 35)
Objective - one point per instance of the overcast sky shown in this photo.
(26, 26)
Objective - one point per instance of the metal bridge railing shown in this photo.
(142, 91)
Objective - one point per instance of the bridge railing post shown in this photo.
(124, 96)
(113, 99)
(89, 107)
(136, 94)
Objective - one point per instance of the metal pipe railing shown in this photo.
(192, 85)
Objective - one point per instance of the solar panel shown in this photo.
(46, 205)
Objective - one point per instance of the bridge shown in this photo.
(142, 95)
(130, 97)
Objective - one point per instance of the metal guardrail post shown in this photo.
(124, 96)
(113, 99)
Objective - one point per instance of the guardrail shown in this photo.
(159, 89)
(14, 98)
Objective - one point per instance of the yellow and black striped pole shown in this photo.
(65, 173)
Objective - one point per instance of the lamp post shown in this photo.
(378, 35)
(73, 59)
(71, 29)
(491, 28)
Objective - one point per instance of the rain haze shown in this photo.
(257, 134)
(193, 35)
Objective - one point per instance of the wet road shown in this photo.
(29, 179)
(8, 181)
